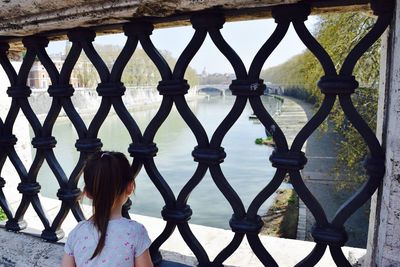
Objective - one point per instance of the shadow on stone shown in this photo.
(173, 259)
(172, 264)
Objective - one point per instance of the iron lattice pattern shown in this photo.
(208, 153)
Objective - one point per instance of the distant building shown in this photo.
(38, 77)
(204, 73)
(216, 78)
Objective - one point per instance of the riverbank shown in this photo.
(281, 218)
(149, 98)
(291, 119)
(321, 151)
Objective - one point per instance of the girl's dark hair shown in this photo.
(106, 175)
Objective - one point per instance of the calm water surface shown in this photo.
(246, 166)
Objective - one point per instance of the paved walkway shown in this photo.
(291, 119)
(321, 152)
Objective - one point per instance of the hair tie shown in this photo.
(105, 153)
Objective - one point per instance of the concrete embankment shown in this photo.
(87, 101)
(291, 118)
(321, 151)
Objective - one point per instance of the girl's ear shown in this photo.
(130, 188)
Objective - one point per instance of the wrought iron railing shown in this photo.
(209, 154)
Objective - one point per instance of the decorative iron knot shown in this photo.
(4, 47)
(143, 151)
(381, 7)
(81, 35)
(338, 84)
(61, 90)
(69, 194)
(247, 88)
(88, 145)
(2, 182)
(138, 27)
(126, 207)
(173, 87)
(375, 167)
(51, 235)
(29, 188)
(209, 155)
(35, 42)
(15, 225)
(291, 13)
(47, 142)
(8, 141)
(177, 215)
(19, 91)
(329, 235)
(290, 160)
(246, 225)
(208, 21)
(111, 89)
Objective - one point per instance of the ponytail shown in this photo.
(106, 175)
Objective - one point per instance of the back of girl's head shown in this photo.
(107, 175)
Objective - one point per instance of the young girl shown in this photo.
(107, 238)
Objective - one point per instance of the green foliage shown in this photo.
(338, 34)
(259, 141)
(292, 199)
(266, 140)
(352, 149)
(140, 70)
(3, 216)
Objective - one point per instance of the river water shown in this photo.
(246, 166)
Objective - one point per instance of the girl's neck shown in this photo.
(116, 212)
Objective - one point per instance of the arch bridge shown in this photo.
(211, 88)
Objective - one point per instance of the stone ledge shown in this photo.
(27, 250)
(22, 18)
(52, 18)
(17, 249)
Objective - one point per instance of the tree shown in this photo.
(338, 34)
(140, 70)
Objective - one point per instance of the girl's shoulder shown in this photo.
(132, 225)
(82, 226)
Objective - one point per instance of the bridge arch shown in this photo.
(208, 88)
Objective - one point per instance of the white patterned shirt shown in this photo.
(125, 240)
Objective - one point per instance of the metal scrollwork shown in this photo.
(208, 153)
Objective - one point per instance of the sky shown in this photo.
(245, 37)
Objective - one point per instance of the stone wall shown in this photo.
(26, 17)
(87, 101)
(384, 237)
